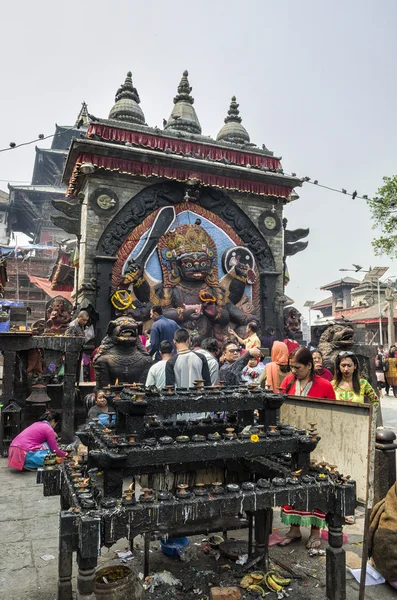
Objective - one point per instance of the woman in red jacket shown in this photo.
(304, 382)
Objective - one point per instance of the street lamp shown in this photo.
(375, 273)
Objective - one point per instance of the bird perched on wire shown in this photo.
(344, 191)
(354, 194)
(41, 136)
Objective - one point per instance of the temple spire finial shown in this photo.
(183, 116)
(82, 117)
(233, 131)
(127, 102)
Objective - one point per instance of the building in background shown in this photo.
(30, 210)
(4, 234)
(360, 302)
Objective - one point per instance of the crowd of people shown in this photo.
(180, 358)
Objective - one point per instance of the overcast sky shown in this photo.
(315, 80)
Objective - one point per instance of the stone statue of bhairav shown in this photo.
(190, 292)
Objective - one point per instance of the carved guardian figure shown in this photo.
(121, 355)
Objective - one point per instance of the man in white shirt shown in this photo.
(156, 375)
(209, 349)
(185, 367)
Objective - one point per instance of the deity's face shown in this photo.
(194, 266)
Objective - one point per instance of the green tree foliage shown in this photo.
(384, 212)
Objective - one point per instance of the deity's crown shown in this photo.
(188, 239)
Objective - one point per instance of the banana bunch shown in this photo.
(274, 582)
(271, 580)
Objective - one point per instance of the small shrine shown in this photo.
(173, 217)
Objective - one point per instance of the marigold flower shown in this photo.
(254, 437)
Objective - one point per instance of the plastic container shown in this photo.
(174, 546)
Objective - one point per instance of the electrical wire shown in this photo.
(39, 139)
(353, 195)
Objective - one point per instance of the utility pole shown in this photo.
(380, 315)
(390, 317)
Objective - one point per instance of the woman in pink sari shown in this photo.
(28, 449)
(278, 369)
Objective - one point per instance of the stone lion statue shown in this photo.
(333, 340)
(121, 355)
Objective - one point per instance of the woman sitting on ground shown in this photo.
(304, 382)
(318, 366)
(28, 449)
(277, 370)
(348, 384)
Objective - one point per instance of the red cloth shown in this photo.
(45, 285)
(321, 388)
(133, 167)
(325, 374)
(155, 142)
(291, 345)
(16, 457)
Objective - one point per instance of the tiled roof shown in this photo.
(372, 312)
(349, 280)
(322, 304)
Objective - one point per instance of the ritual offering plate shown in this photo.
(214, 437)
(149, 442)
(248, 486)
(263, 483)
(232, 488)
(307, 479)
(278, 481)
(183, 439)
(217, 488)
(166, 439)
(199, 489)
(198, 438)
(164, 495)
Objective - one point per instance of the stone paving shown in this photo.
(29, 530)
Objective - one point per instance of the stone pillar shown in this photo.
(385, 463)
(67, 535)
(336, 559)
(104, 287)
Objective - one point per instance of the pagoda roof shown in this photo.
(322, 304)
(344, 281)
